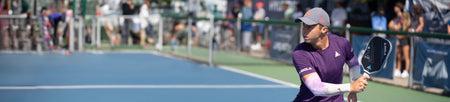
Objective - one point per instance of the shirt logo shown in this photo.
(305, 69)
(337, 54)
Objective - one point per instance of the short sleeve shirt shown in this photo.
(327, 63)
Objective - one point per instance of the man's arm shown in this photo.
(354, 69)
(319, 88)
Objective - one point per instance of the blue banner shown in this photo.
(430, 62)
(359, 43)
(283, 43)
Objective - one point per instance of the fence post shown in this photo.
(347, 32)
(211, 44)
(238, 32)
(159, 45)
(71, 35)
(92, 31)
(80, 34)
(189, 27)
(98, 33)
(411, 57)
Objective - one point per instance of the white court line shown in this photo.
(260, 76)
(138, 87)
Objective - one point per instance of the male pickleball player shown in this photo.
(320, 59)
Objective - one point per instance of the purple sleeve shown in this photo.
(350, 57)
(302, 62)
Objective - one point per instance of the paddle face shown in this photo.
(375, 55)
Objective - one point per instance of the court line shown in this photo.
(139, 87)
(259, 76)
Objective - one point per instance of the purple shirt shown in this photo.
(327, 63)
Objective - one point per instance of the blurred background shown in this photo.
(252, 36)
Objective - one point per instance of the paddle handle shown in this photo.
(365, 75)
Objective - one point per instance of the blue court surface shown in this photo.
(128, 77)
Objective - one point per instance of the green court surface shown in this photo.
(375, 92)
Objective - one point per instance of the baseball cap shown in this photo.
(259, 4)
(315, 16)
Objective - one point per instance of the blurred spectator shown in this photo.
(395, 24)
(217, 13)
(1, 5)
(228, 26)
(417, 21)
(146, 36)
(236, 10)
(127, 9)
(298, 11)
(4, 41)
(45, 28)
(360, 13)
(67, 16)
(114, 38)
(246, 27)
(288, 12)
(55, 18)
(448, 22)
(338, 18)
(448, 27)
(259, 15)
(398, 24)
(180, 34)
(379, 22)
(403, 46)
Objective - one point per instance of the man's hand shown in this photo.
(360, 84)
(352, 97)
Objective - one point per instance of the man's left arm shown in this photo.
(354, 69)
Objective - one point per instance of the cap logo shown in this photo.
(308, 13)
(321, 21)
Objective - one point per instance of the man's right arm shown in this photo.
(319, 88)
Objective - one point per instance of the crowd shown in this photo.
(136, 25)
(18, 33)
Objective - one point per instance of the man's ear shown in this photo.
(324, 30)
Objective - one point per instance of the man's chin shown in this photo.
(307, 41)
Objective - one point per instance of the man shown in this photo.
(379, 22)
(45, 28)
(128, 8)
(259, 15)
(288, 12)
(319, 61)
(247, 13)
(338, 18)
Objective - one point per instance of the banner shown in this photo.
(359, 43)
(283, 43)
(431, 61)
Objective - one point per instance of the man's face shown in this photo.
(45, 12)
(311, 32)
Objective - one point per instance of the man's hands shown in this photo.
(359, 85)
(352, 97)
